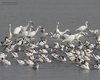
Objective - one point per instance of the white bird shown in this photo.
(97, 57)
(39, 59)
(48, 60)
(19, 42)
(43, 33)
(26, 27)
(10, 48)
(58, 57)
(34, 51)
(46, 46)
(91, 46)
(2, 55)
(6, 42)
(70, 56)
(78, 36)
(20, 62)
(62, 58)
(29, 62)
(17, 30)
(86, 58)
(85, 65)
(45, 58)
(57, 29)
(14, 54)
(32, 57)
(43, 51)
(29, 54)
(7, 62)
(55, 35)
(62, 33)
(98, 38)
(56, 45)
(69, 38)
(95, 32)
(32, 46)
(97, 66)
(62, 47)
(73, 37)
(24, 31)
(41, 43)
(83, 27)
(33, 33)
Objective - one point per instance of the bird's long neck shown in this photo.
(65, 31)
(27, 25)
(86, 24)
(57, 30)
(10, 33)
(37, 29)
(57, 26)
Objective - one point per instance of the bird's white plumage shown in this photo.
(17, 30)
(83, 27)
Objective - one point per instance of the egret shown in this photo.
(60, 32)
(83, 27)
(70, 38)
(73, 37)
(26, 27)
(33, 33)
(95, 32)
(24, 31)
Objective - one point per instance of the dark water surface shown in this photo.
(70, 13)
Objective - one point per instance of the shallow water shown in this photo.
(70, 13)
(53, 71)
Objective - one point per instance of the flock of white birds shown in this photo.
(23, 47)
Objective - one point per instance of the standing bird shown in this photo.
(60, 32)
(24, 31)
(83, 27)
(26, 27)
